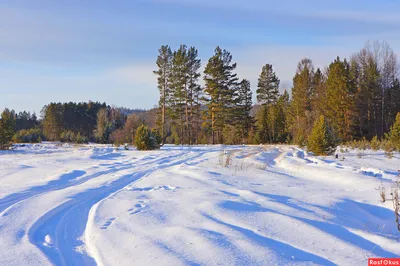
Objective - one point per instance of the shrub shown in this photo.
(145, 139)
(67, 136)
(33, 135)
(81, 139)
(375, 143)
(70, 136)
(388, 147)
(322, 141)
(362, 144)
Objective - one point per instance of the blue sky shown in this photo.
(106, 50)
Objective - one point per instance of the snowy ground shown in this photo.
(271, 205)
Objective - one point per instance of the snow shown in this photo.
(201, 205)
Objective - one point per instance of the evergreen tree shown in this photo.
(7, 124)
(392, 98)
(103, 128)
(263, 132)
(145, 139)
(322, 141)
(302, 92)
(319, 97)
(267, 95)
(194, 95)
(339, 98)
(52, 122)
(179, 90)
(394, 135)
(244, 106)
(164, 67)
(220, 88)
(268, 86)
(281, 109)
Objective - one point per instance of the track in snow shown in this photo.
(67, 222)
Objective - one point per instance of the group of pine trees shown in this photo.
(190, 113)
(350, 99)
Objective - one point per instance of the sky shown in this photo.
(61, 51)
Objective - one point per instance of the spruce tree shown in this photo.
(268, 86)
(322, 141)
(7, 131)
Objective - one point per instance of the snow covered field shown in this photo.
(201, 205)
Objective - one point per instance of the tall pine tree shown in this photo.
(164, 67)
(267, 95)
(302, 92)
(220, 85)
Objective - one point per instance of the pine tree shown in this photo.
(179, 90)
(104, 126)
(194, 95)
(267, 95)
(369, 95)
(322, 141)
(146, 139)
(392, 98)
(339, 98)
(281, 109)
(318, 101)
(52, 122)
(7, 131)
(394, 135)
(263, 131)
(302, 92)
(220, 86)
(164, 67)
(244, 105)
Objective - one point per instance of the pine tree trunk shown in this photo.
(212, 126)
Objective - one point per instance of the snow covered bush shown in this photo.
(322, 140)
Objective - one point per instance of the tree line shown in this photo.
(74, 122)
(358, 98)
